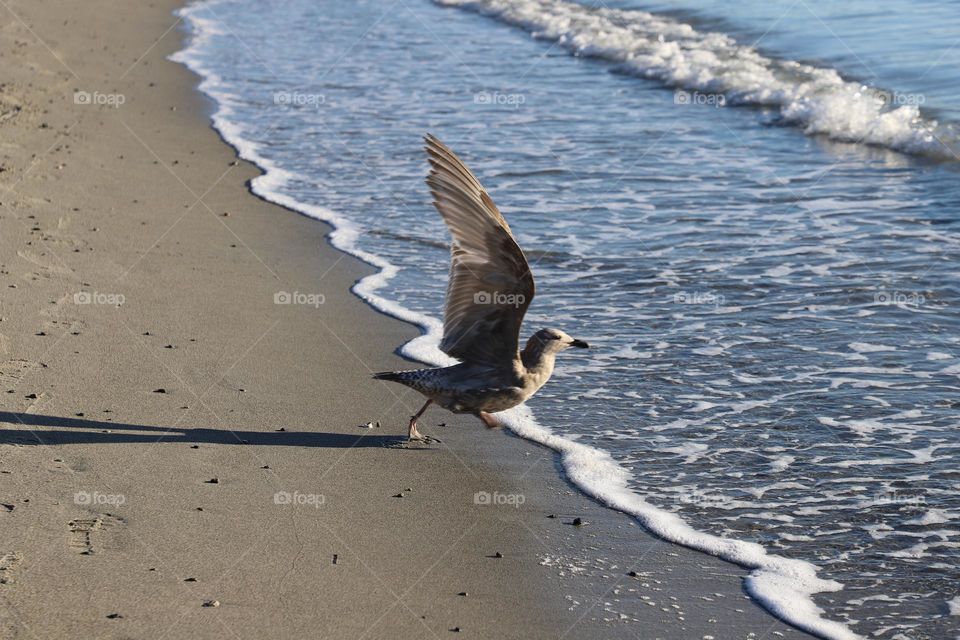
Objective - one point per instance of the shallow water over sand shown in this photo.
(774, 314)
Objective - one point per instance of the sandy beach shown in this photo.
(185, 382)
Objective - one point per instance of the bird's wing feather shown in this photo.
(490, 284)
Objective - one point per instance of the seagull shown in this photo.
(489, 290)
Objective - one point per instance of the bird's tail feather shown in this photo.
(393, 376)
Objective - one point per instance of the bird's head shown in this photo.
(552, 341)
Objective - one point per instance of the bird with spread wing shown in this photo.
(488, 293)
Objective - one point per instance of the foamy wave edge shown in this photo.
(783, 586)
(816, 99)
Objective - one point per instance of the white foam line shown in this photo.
(784, 586)
(651, 46)
(269, 187)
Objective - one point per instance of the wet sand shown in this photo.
(181, 456)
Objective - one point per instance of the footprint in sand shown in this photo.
(92, 535)
(48, 268)
(8, 564)
(60, 465)
(12, 370)
(59, 326)
(10, 107)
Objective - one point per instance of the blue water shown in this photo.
(764, 259)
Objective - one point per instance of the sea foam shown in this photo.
(718, 70)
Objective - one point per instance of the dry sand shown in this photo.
(180, 456)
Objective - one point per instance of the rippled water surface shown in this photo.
(775, 314)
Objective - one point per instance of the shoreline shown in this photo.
(783, 586)
(101, 212)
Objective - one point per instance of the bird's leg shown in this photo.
(413, 434)
(489, 419)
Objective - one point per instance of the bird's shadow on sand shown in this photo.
(20, 430)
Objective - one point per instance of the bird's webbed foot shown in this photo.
(490, 420)
(415, 436)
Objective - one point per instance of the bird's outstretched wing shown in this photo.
(490, 283)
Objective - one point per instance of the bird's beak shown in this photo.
(580, 344)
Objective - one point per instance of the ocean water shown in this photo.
(749, 211)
